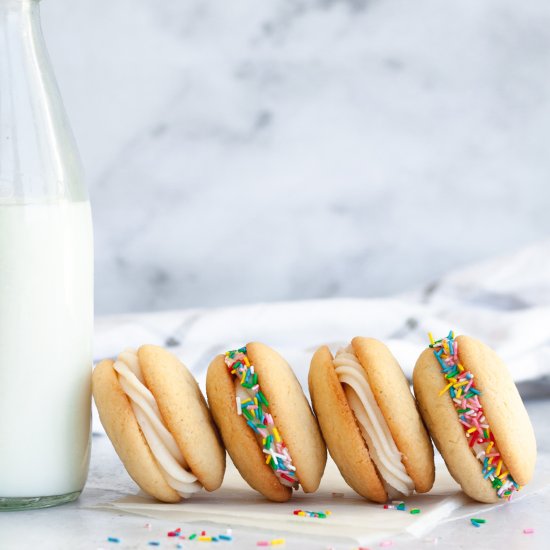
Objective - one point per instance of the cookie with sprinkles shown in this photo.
(476, 417)
(265, 421)
(370, 422)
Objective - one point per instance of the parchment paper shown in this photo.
(352, 517)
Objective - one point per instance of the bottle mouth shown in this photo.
(39, 201)
(6, 5)
(17, 2)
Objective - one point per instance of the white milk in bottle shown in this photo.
(46, 278)
(45, 347)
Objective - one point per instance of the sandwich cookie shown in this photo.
(370, 422)
(475, 416)
(265, 421)
(157, 419)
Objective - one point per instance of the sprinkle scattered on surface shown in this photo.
(202, 537)
(310, 514)
(386, 543)
(461, 387)
(477, 522)
(113, 539)
(528, 531)
(272, 542)
(401, 506)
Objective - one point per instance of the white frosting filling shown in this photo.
(161, 442)
(375, 430)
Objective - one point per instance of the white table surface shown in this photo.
(78, 526)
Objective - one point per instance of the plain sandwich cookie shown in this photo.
(476, 417)
(157, 419)
(265, 421)
(370, 421)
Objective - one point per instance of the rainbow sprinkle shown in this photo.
(201, 537)
(272, 542)
(255, 410)
(400, 505)
(462, 389)
(310, 514)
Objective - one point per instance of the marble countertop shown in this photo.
(80, 526)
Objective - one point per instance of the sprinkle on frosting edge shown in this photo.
(466, 400)
(255, 409)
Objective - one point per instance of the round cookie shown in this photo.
(157, 419)
(123, 430)
(348, 420)
(286, 418)
(491, 400)
(185, 413)
(340, 430)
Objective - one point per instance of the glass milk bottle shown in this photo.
(46, 286)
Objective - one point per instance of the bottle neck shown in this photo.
(17, 5)
(19, 21)
(38, 157)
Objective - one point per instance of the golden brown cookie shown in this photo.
(369, 420)
(157, 419)
(275, 441)
(490, 462)
(123, 430)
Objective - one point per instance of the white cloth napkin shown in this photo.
(504, 302)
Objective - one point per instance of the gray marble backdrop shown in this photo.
(247, 150)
